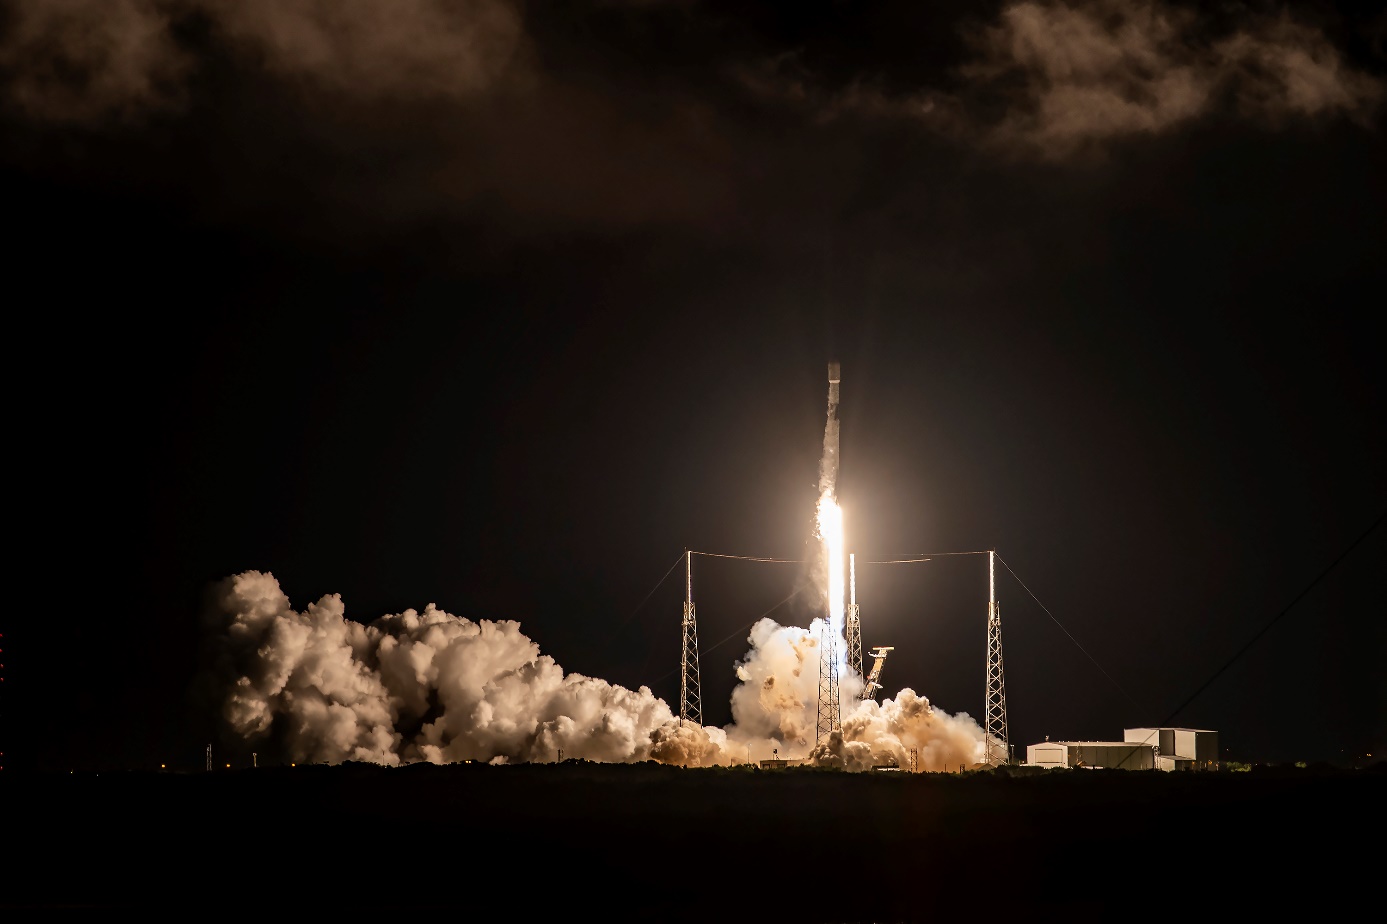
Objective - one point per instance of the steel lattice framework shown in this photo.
(690, 695)
(828, 721)
(854, 621)
(995, 708)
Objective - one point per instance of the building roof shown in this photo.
(1205, 731)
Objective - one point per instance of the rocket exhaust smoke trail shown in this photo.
(313, 686)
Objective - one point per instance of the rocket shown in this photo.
(828, 467)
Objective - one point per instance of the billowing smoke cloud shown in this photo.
(429, 686)
(776, 702)
(84, 60)
(1068, 76)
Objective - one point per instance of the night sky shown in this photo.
(502, 306)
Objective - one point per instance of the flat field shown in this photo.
(646, 842)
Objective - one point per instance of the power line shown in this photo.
(1263, 631)
(1275, 619)
(1066, 632)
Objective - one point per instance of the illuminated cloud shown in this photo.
(87, 60)
(1089, 72)
(78, 60)
(1054, 79)
(378, 48)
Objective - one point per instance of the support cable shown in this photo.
(738, 632)
(904, 561)
(658, 584)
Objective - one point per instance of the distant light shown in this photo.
(293, 765)
(228, 766)
(161, 766)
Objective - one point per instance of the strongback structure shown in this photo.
(854, 623)
(869, 689)
(995, 707)
(690, 695)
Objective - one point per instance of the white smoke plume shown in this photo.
(431, 686)
(777, 701)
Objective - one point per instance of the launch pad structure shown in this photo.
(690, 690)
(829, 711)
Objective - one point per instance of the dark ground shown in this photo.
(583, 841)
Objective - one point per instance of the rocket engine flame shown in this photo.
(830, 530)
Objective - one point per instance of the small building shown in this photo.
(1139, 749)
(1117, 755)
(1178, 748)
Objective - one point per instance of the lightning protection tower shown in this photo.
(854, 622)
(995, 708)
(690, 697)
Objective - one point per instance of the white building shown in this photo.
(1178, 748)
(1124, 755)
(1139, 749)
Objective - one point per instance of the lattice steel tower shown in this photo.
(995, 709)
(690, 695)
(854, 622)
(828, 721)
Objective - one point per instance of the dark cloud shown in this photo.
(81, 60)
(380, 48)
(1053, 79)
(87, 60)
(1089, 72)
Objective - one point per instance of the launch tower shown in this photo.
(690, 695)
(995, 707)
